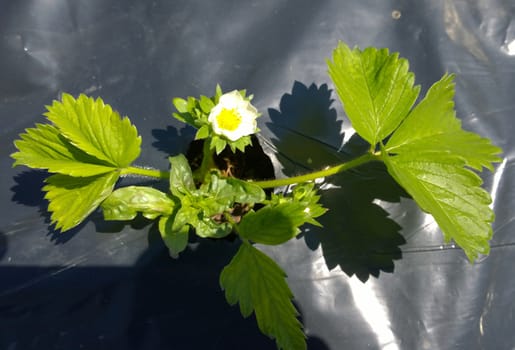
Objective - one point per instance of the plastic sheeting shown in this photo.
(378, 276)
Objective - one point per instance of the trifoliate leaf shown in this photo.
(96, 129)
(181, 177)
(375, 87)
(255, 281)
(273, 224)
(174, 233)
(428, 156)
(124, 203)
(72, 199)
(43, 147)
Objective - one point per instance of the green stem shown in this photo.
(318, 174)
(155, 173)
(208, 161)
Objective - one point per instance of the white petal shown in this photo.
(248, 113)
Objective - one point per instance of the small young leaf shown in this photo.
(124, 203)
(245, 192)
(305, 194)
(180, 104)
(207, 228)
(206, 104)
(202, 133)
(218, 144)
(375, 87)
(185, 118)
(181, 177)
(428, 155)
(273, 224)
(174, 234)
(218, 93)
(43, 147)
(255, 281)
(241, 143)
(230, 190)
(72, 199)
(96, 129)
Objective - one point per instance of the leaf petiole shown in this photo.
(161, 174)
(147, 172)
(367, 157)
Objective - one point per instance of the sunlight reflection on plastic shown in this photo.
(509, 48)
(373, 312)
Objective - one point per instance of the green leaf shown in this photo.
(202, 133)
(218, 93)
(96, 129)
(185, 118)
(452, 194)
(255, 281)
(218, 144)
(273, 224)
(181, 177)
(174, 233)
(230, 190)
(429, 155)
(245, 192)
(432, 126)
(215, 195)
(208, 228)
(72, 199)
(306, 196)
(180, 104)
(124, 203)
(375, 87)
(206, 104)
(43, 147)
(240, 143)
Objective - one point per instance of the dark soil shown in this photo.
(253, 164)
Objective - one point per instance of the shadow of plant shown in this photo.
(172, 141)
(29, 191)
(357, 235)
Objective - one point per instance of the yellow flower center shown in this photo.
(228, 119)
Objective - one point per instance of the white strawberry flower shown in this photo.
(233, 116)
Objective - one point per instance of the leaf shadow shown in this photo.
(357, 234)
(29, 191)
(171, 141)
